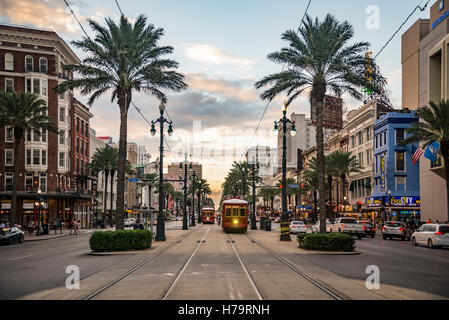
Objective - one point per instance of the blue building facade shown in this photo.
(396, 180)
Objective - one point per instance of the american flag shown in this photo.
(417, 154)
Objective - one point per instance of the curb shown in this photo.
(111, 253)
(333, 253)
(62, 236)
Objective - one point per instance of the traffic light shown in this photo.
(359, 206)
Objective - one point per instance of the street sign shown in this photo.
(133, 180)
(293, 186)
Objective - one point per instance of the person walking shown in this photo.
(429, 221)
(77, 227)
(72, 226)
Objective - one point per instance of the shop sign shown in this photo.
(440, 19)
(28, 205)
(374, 202)
(305, 208)
(6, 205)
(405, 201)
(382, 174)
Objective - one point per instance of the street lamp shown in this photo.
(253, 215)
(40, 204)
(285, 231)
(193, 200)
(160, 230)
(185, 217)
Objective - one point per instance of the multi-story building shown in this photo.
(266, 157)
(143, 156)
(396, 179)
(425, 77)
(31, 60)
(175, 171)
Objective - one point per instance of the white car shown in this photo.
(431, 234)
(297, 227)
(316, 227)
(127, 223)
(132, 221)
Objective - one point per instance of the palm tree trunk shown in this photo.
(124, 99)
(112, 195)
(329, 180)
(319, 98)
(445, 154)
(106, 174)
(18, 133)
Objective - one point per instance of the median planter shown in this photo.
(120, 240)
(326, 242)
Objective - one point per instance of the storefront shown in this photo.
(395, 208)
(304, 211)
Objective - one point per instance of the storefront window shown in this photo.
(400, 161)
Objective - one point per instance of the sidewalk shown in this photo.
(65, 233)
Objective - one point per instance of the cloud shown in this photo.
(211, 55)
(394, 77)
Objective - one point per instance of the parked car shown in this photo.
(297, 227)
(370, 231)
(433, 235)
(316, 226)
(132, 221)
(396, 229)
(349, 226)
(11, 235)
(127, 223)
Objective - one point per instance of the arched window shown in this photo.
(29, 64)
(9, 61)
(43, 65)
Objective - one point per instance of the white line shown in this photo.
(185, 266)
(21, 257)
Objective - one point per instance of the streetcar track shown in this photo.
(250, 277)
(296, 269)
(180, 271)
(135, 268)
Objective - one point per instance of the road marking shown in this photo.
(30, 255)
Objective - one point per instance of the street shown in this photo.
(205, 263)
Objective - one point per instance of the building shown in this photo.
(31, 60)
(143, 156)
(396, 179)
(425, 77)
(266, 157)
(175, 171)
(304, 138)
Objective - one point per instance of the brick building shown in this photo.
(31, 60)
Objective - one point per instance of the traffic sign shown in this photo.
(293, 186)
(133, 180)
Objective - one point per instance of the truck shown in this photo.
(349, 226)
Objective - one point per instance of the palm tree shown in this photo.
(168, 190)
(202, 188)
(150, 180)
(311, 184)
(24, 112)
(105, 160)
(319, 60)
(121, 59)
(434, 126)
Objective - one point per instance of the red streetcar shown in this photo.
(235, 214)
(208, 215)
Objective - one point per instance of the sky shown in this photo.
(221, 46)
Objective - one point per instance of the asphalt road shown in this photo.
(400, 264)
(38, 265)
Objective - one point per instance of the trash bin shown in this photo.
(262, 223)
(45, 228)
(268, 225)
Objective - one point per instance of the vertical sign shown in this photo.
(382, 174)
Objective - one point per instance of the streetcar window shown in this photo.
(228, 212)
(242, 211)
(235, 212)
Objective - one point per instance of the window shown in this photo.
(28, 85)
(9, 134)
(36, 157)
(85, 149)
(400, 135)
(77, 124)
(77, 145)
(62, 137)
(352, 142)
(368, 156)
(28, 181)
(44, 157)
(28, 156)
(36, 136)
(400, 161)
(82, 127)
(62, 159)
(44, 135)
(9, 85)
(400, 183)
(228, 212)
(385, 138)
(376, 164)
(82, 147)
(360, 137)
(235, 211)
(8, 181)
(43, 182)
(368, 134)
(36, 86)
(438, 163)
(29, 135)
(62, 114)
(377, 141)
(82, 167)
(9, 61)
(43, 65)
(28, 64)
(242, 211)
(62, 96)
(44, 87)
(380, 140)
(361, 158)
(9, 157)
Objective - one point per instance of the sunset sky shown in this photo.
(221, 46)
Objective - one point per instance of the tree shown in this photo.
(319, 60)
(105, 160)
(150, 180)
(433, 127)
(23, 112)
(122, 59)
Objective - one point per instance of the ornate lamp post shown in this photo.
(41, 203)
(185, 217)
(253, 215)
(285, 231)
(160, 231)
(193, 199)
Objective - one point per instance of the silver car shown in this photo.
(396, 229)
(297, 227)
(316, 227)
(432, 234)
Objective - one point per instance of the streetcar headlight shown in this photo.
(236, 221)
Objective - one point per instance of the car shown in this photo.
(432, 234)
(11, 235)
(297, 227)
(127, 223)
(132, 221)
(396, 229)
(348, 225)
(316, 226)
(370, 231)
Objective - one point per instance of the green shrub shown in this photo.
(120, 240)
(300, 237)
(327, 242)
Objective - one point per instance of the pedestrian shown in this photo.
(72, 227)
(77, 227)
(2, 225)
(429, 221)
(218, 220)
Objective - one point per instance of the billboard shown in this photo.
(332, 113)
(382, 174)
